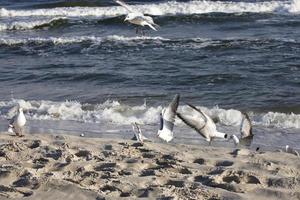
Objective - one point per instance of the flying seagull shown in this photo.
(136, 17)
(167, 119)
(138, 135)
(17, 123)
(246, 136)
(203, 124)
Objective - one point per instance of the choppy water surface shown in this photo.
(76, 66)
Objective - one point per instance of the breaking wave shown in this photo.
(166, 8)
(119, 113)
(204, 42)
(22, 25)
(77, 39)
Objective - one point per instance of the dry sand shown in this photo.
(45, 166)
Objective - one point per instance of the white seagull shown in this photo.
(203, 124)
(17, 123)
(167, 119)
(136, 17)
(138, 135)
(246, 132)
(289, 149)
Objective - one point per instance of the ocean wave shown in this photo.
(78, 39)
(136, 40)
(165, 8)
(119, 113)
(37, 24)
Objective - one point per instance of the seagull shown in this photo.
(203, 124)
(245, 131)
(289, 149)
(137, 18)
(167, 119)
(138, 135)
(17, 123)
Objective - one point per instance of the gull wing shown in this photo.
(169, 113)
(193, 122)
(124, 5)
(12, 120)
(200, 112)
(174, 104)
(246, 127)
(137, 133)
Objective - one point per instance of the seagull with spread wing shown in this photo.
(167, 120)
(203, 124)
(246, 132)
(136, 17)
(138, 135)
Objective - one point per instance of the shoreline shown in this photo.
(47, 166)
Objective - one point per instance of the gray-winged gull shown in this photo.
(203, 124)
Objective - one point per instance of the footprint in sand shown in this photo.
(200, 161)
(51, 152)
(240, 177)
(106, 167)
(27, 180)
(32, 144)
(235, 181)
(286, 182)
(110, 188)
(40, 163)
(148, 155)
(124, 173)
(224, 163)
(82, 153)
(11, 193)
(176, 183)
(148, 172)
(185, 171)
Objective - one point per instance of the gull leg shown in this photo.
(21, 132)
(137, 30)
(17, 131)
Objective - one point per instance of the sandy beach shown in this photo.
(43, 166)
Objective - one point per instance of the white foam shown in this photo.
(281, 120)
(159, 9)
(79, 39)
(118, 113)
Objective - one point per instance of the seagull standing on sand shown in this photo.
(203, 124)
(137, 18)
(167, 119)
(246, 132)
(138, 135)
(289, 149)
(17, 123)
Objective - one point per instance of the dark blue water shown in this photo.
(241, 55)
